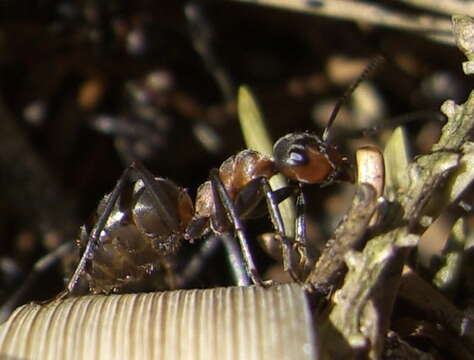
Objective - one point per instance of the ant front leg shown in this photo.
(276, 218)
(296, 259)
(300, 231)
(225, 206)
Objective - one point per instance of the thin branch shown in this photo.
(436, 28)
(446, 7)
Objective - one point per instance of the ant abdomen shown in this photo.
(136, 246)
(164, 233)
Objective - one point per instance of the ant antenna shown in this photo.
(372, 65)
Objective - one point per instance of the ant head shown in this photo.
(305, 158)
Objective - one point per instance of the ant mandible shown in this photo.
(140, 225)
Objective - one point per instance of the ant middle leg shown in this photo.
(225, 206)
(206, 250)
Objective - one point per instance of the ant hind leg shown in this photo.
(40, 267)
(163, 206)
(99, 227)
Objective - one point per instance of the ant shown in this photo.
(141, 224)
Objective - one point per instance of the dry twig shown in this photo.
(436, 28)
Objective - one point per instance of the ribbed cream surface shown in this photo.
(250, 323)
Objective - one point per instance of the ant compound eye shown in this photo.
(297, 156)
(294, 149)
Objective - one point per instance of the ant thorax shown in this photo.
(236, 173)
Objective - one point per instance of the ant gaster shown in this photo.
(141, 224)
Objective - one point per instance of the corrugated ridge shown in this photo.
(250, 323)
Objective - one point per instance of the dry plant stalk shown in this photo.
(436, 28)
(330, 267)
(349, 235)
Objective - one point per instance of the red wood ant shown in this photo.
(141, 224)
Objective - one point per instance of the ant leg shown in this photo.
(300, 229)
(237, 263)
(41, 266)
(223, 199)
(275, 215)
(300, 232)
(162, 205)
(207, 249)
(196, 264)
